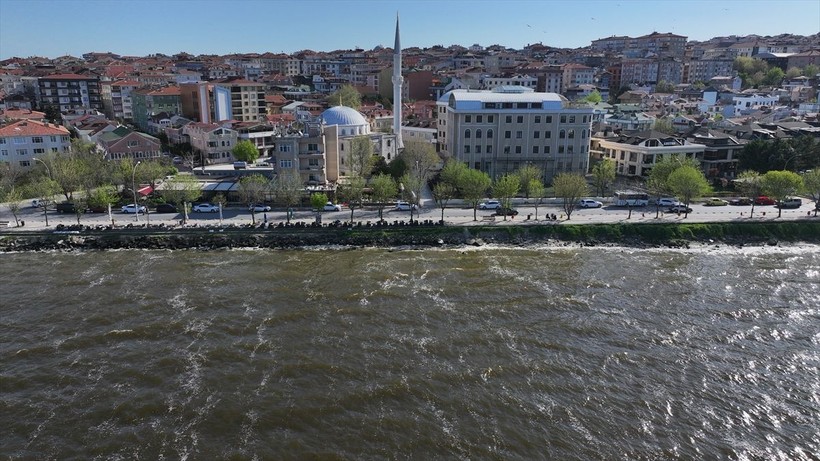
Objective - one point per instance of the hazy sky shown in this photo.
(54, 28)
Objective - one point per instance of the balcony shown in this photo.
(311, 153)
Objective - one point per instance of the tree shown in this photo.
(245, 151)
(505, 188)
(811, 184)
(603, 175)
(410, 187)
(750, 184)
(353, 192)
(750, 70)
(594, 97)
(452, 172)
(688, 183)
(664, 87)
(658, 181)
(346, 95)
(287, 189)
(182, 190)
(420, 158)
(253, 189)
(149, 171)
(383, 188)
(442, 193)
(473, 185)
(360, 159)
(12, 199)
(570, 187)
(538, 191)
(811, 70)
(774, 76)
(526, 175)
(663, 125)
(80, 205)
(780, 185)
(318, 201)
(44, 189)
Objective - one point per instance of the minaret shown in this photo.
(398, 80)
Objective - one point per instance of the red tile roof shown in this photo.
(22, 114)
(32, 128)
(69, 77)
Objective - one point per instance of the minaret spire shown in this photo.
(398, 80)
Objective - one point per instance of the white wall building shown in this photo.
(23, 141)
(752, 102)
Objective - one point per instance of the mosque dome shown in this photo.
(350, 121)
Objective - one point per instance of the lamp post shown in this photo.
(45, 204)
(134, 189)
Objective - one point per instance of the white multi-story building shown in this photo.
(502, 130)
(636, 154)
(490, 82)
(23, 141)
(752, 102)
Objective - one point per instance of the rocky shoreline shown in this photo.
(82, 238)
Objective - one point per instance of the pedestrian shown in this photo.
(266, 218)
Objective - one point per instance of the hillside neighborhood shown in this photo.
(729, 104)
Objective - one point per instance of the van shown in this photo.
(240, 165)
(65, 207)
(791, 202)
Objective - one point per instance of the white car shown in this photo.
(589, 203)
(330, 206)
(490, 205)
(132, 208)
(668, 202)
(206, 208)
(404, 206)
(258, 208)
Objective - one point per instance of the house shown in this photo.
(125, 143)
(26, 140)
(635, 154)
(214, 142)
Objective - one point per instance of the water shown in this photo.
(492, 353)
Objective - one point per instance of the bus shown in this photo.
(631, 198)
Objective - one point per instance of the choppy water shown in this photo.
(500, 353)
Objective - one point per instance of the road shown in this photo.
(455, 214)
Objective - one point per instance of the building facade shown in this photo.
(70, 91)
(499, 131)
(635, 154)
(23, 141)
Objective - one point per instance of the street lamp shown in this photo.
(45, 205)
(134, 189)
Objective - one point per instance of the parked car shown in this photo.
(490, 205)
(740, 201)
(330, 206)
(404, 206)
(37, 203)
(589, 203)
(133, 208)
(65, 207)
(715, 202)
(679, 209)
(258, 208)
(763, 200)
(177, 160)
(206, 208)
(166, 208)
(506, 212)
(791, 202)
(668, 202)
(240, 165)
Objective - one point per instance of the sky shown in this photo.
(52, 28)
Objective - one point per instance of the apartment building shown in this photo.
(501, 130)
(635, 154)
(239, 99)
(575, 75)
(23, 141)
(116, 98)
(70, 91)
(149, 102)
(302, 153)
(214, 143)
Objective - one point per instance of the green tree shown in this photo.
(473, 185)
(688, 183)
(774, 76)
(603, 175)
(811, 70)
(12, 199)
(80, 206)
(443, 192)
(527, 174)
(383, 188)
(288, 189)
(664, 87)
(780, 185)
(664, 125)
(353, 193)
(570, 187)
(420, 158)
(452, 172)
(751, 70)
(253, 189)
(410, 186)
(346, 95)
(66, 171)
(361, 158)
(793, 72)
(538, 191)
(182, 190)
(318, 201)
(44, 189)
(750, 184)
(505, 188)
(594, 97)
(811, 185)
(245, 151)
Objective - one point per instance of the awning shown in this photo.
(145, 190)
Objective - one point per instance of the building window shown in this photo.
(19, 140)
(466, 149)
(571, 134)
(537, 119)
(571, 119)
(519, 134)
(37, 139)
(548, 119)
(286, 163)
(479, 118)
(534, 149)
(508, 119)
(468, 119)
(478, 133)
(536, 135)
(466, 134)
(506, 149)
(563, 119)
(489, 134)
(507, 134)
(39, 151)
(25, 163)
(22, 151)
(519, 119)
(562, 134)
(490, 119)
(546, 149)
(4, 153)
(560, 149)
(517, 149)
(478, 149)
(489, 149)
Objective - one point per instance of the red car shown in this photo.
(763, 200)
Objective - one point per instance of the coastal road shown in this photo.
(455, 214)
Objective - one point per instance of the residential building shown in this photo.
(302, 153)
(720, 157)
(501, 130)
(70, 91)
(148, 102)
(576, 74)
(750, 102)
(239, 99)
(214, 142)
(196, 102)
(704, 70)
(116, 98)
(490, 82)
(124, 143)
(21, 142)
(635, 154)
